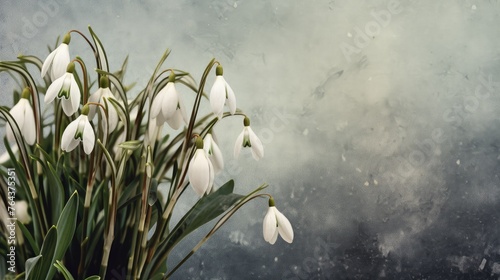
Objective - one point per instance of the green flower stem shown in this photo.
(88, 41)
(218, 225)
(143, 225)
(109, 230)
(197, 102)
(86, 208)
(85, 79)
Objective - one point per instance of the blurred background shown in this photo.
(379, 118)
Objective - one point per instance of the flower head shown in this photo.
(168, 106)
(213, 152)
(25, 118)
(66, 89)
(274, 223)
(102, 95)
(220, 94)
(201, 170)
(55, 64)
(248, 138)
(78, 131)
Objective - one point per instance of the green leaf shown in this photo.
(102, 59)
(29, 237)
(66, 226)
(47, 252)
(205, 210)
(30, 265)
(131, 145)
(63, 270)
(93, 277)
(55, 191)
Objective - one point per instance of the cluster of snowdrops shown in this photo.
(99, 174)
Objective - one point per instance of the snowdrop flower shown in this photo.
(214, 153)
(25, 118)
(274, 223)
(221, 93)
(66, 89)
(78, 131)
(57, 61)
(168, 106)
(201, 170)
(22, 214)
(248, 138)
(104, 93)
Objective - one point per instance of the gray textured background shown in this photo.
(379, 120)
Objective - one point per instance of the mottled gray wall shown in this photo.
(379, 120)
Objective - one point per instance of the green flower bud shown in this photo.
(71, 67)
(246, 121)
(85, 109)
(271, 201)
(104, 81)
(199, 142)
(26, 93)
(66, 39)
(218, 70)
(171, 78)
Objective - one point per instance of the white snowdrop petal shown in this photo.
(67, 106)
(170, 101)
(218, 96)
(74, 95)
(175, 121)
(231, 99)
(17, 115)
(60, 61)
(68, 138)
(54, 89)
(269, 225)
(199, 172)
(257, 147)
(88, 137)
(284, 227)
(94, 98)
(238, 144)
(211, 176)
(28, 129)
(157, 104)
(112, 114)
(48, 62)
(218, 161)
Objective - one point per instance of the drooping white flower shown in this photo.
(248, 138)
(102, 95)
(220, 94)
(25, 118)
(22, 213)
(78, 131)
(275, 222)
(168, 106)
(65, 89)
(213, 152)
(201, 170)
(55, 64)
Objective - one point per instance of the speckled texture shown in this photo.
(379, 118)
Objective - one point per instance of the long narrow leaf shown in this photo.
(66, 226)
(63, 270)
(102, 59)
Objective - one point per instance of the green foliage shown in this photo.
(109, 210)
